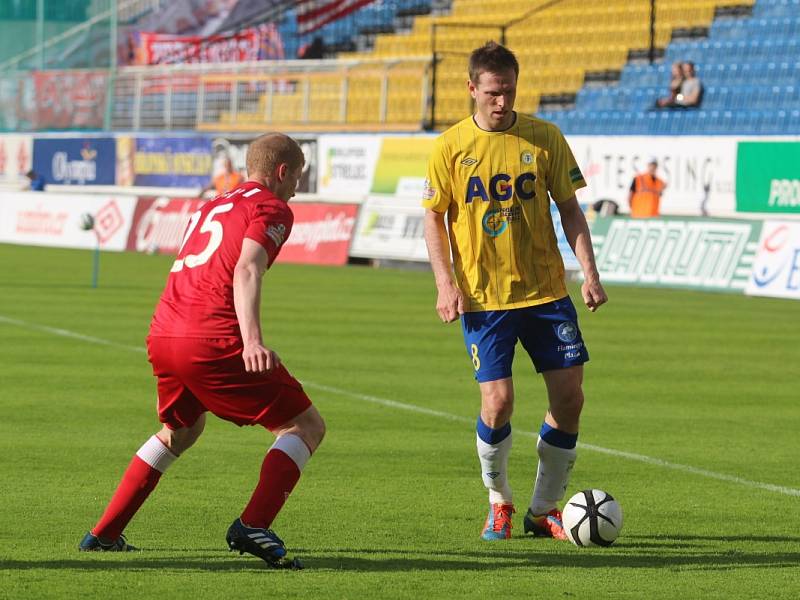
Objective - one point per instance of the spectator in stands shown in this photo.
(646, 190)
(36, 181)
(225, 181)
(675, 82)
(314, 50)
(691, 94)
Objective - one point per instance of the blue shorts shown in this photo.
(548, 332)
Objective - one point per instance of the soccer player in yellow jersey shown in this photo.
(490, 181)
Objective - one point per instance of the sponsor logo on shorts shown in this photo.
(569, 347)
(567, 331)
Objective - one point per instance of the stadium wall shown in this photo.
(731, 214)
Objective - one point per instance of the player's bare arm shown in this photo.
(580, 240)
(247, 276)
(450, 299)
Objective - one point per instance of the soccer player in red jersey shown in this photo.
(207, 351)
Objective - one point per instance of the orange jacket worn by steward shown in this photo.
(225, 182)
(646, 195)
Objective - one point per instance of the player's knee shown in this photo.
(568, 406)
(180, 440)
(314, 430)
(309, 426)
(497, 407)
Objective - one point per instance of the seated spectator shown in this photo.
(691, 93)
(225, 181)
(675, 82)
(314, 50)
(36, 181)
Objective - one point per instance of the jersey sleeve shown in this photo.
(563, 174)
(270, 226)
(438, 180)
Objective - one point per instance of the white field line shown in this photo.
(436, 413)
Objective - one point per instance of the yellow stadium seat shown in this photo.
(556, 45)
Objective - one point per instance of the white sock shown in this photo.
(494, 446)
(552, 476)
(156, 454)
(294, 447)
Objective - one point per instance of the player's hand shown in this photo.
(258, 359)
(593, 294)
(450, 303)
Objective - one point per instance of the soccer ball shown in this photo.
(592, 518)
(87, 222)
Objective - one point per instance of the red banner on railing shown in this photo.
(254, 43)
(69, 99)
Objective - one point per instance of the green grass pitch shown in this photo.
(700, 390)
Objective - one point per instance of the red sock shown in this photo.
(138, 481)
(279, 475)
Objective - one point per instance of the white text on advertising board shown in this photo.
(784, 192)
(162, 225)
(703, 254)
(74, 171)
(333, 228)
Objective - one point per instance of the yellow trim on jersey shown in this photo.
(494, 187)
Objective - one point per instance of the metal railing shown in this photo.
(297, 95)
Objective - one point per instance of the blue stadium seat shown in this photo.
(750, 69)
(779, 8)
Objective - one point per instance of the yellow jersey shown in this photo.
(494, 187)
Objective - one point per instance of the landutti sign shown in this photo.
(710, 254)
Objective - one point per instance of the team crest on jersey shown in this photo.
(277, 233)
(494, 223)
(567, 331)
(428, 191)
(526, 157)
(469, 161)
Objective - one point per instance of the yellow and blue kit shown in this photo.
(494, 188)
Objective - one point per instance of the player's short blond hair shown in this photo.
(491, 58)
(270, 150)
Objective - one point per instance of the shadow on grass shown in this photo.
(779, 539)
(397, 560)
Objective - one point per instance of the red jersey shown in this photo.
(198, 299)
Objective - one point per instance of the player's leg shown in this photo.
(556, 447)
(138, 481)
(554, 342)
(276, 401)
(490, 338)
(183, 417)
(296, 440)
(494, 447)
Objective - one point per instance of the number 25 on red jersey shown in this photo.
(209, 225)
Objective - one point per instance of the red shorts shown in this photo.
(199, 375)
